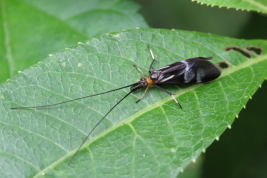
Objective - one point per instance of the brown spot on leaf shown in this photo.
(223, 65)
(239, 50)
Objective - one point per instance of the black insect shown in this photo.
(189, 71)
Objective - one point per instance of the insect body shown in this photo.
(189, 71)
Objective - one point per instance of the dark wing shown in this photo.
(201, 71)
(170, 72)
(189, 71)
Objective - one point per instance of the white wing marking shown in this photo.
(168, 78)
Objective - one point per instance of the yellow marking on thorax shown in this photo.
(149, 81)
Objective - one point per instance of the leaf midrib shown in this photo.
(259, 5)
(9, 56)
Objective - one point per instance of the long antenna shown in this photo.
(101, 121)
(28, 107)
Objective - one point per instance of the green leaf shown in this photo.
(250, 5)
(30, 30)
(243, 148)
(154, 138)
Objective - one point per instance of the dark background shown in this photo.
(242, 150)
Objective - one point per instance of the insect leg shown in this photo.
(139, 70)
(153, 59)
(142, 95)
(172, 95)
